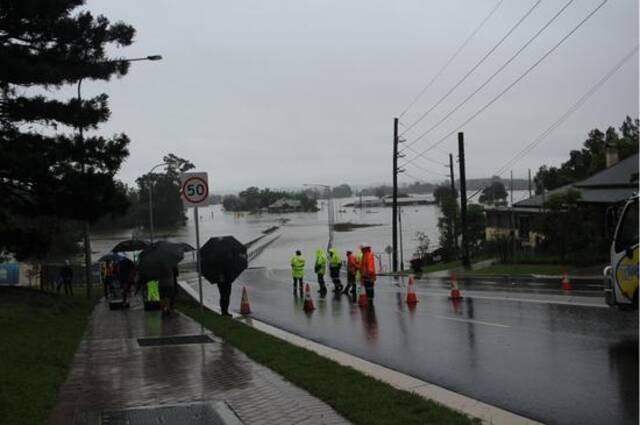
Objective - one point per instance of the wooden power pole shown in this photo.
(463, 202)
(394, 218)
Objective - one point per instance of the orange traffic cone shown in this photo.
(245, 308)
(362, 297)
(411, 293)
(308, 302)
(566, 284)
(455, 291)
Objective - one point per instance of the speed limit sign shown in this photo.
(194, 188)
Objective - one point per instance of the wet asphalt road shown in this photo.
(553, 362)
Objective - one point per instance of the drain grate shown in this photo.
(174, 340)
(191, 414)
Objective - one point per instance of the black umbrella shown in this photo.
(112, 256)
(186, 247)
(130, 245)
(159, 259)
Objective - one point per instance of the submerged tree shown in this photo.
(49, 167)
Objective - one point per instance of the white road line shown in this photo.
(487, 282)
(479, 322)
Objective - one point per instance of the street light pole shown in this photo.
(85, 230)
(150, 187)
(330, 213)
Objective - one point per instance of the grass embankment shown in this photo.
(357, 397)
(39, 334)
(520, 269)
(442, 266)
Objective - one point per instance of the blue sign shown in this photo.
(9, 273)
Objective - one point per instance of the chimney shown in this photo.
(611, 154)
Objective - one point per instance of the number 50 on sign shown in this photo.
(194, 189)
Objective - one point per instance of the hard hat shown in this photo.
(364, 245)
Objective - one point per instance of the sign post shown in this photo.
(194, 188)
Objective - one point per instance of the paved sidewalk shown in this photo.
(113, 376)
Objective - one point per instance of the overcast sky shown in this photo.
(280, 93)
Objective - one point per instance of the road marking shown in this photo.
(479, 322)
(487, 282)
(535, 284)
(524, 300)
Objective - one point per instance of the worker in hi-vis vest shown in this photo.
(297, 269)
(320, 268)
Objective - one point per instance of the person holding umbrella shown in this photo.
(158, 263)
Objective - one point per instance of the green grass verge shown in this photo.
(521, 269)
(39, 334)
(442, 266)
(357, 397)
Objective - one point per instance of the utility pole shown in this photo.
(401, 247)
(529, 182)
(511, 188)
(394, 214)
(453, 194)
(463, 202)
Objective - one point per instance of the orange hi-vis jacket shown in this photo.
(352, 264)
(368, 266)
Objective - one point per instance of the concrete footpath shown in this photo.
(135, 367)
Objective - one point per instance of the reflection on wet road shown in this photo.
(557, 363)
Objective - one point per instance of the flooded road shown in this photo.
(554, 362)
(304, 231)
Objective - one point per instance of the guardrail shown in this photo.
(256, 252)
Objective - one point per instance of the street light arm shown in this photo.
(158, 165)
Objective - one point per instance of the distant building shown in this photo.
(607, 188)
(285, 205)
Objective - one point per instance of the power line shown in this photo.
(451, 59)
(495, 74)
(510, 86)
(426, 170)
(424, 180)
(480, 62)
(426, 158)
(564, 117)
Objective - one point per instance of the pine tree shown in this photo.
(49, 167)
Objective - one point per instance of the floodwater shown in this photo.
(304, 231)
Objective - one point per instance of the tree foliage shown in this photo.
(448, 222)
(591, 158)
(341, 191)
(253, 199)
(168, 210)
(48, 166)
(476, 225)
(493, 193)
(568, 227)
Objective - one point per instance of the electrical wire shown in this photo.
(564, 117)
(510, 86)
(495, 74)
(423, 180)
(476, 66)
(426, 158)
(451, 59)
(428, 171)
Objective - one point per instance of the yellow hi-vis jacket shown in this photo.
(321, 262)
(297, 266)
